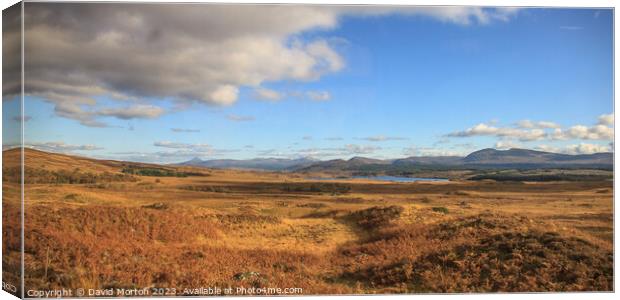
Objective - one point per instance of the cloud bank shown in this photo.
(526, 131)
(191, 53)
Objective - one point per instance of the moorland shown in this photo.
(107, 224)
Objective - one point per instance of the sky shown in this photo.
(159, 83)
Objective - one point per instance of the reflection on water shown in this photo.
(382, 178)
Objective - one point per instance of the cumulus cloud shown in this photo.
(62, 147)
(76, 111)
(606, 119)
(584, 148)
(307, 137)
(502, 145)
(334, 138)
(133, 112)
(267, 94)
(483, 129)
(596, 132)
(238, 118)
(527, 130)
(188, 53)
(540, 124)
(581, 148)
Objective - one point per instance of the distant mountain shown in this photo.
(368, 161)
(268, 164)
(485, 158)
(344, 165)
(531, 157)
(429, 160)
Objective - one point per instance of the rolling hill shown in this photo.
(483, 159)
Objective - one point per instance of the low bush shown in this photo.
(376, 216)
(440, 209)
(159, 172)
(41, 176)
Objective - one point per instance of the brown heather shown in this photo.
(244, 228)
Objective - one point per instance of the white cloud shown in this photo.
(581, 148)
(507, 145)
(607, 119)
(483, 129)
(238, 118)
(584, 148)
(596, 132)
(62, 147)
(527, 130)
(479, 129)
(547, 124)
(527, 124)
(267, 94)
(133, 112)
(223, 95)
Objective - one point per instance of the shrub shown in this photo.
(333, 188)
(376, 216)
(41, 176)
(440, 209)
(159, 172)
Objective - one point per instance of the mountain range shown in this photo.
(267, 164)
(485, 158)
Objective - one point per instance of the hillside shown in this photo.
(48, 167)
(55, 161)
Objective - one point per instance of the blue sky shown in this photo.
(382, 85)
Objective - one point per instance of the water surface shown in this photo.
(382, 178)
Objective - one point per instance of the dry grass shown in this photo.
(483, 253)
(242, 228)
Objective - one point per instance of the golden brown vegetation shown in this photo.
(243, 228)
